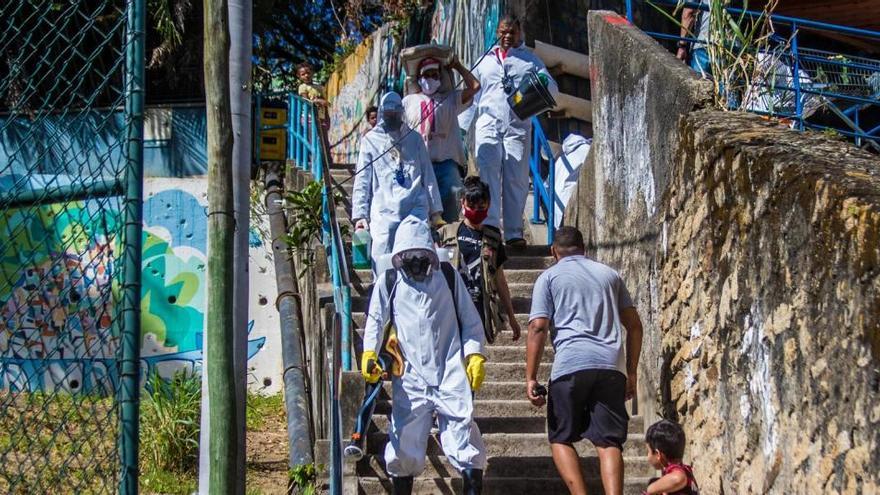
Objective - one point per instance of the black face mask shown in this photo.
(417, 267)
(392, 121)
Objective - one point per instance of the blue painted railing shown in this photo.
(857, 89)
(308, 149)
(544, 195)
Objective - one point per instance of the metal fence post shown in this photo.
(129, 390)
(292, 145)
(796, 77)
(535, 162)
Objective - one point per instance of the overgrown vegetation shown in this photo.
(303, 479)
(736, 42)
(305, 209)
(169, 433)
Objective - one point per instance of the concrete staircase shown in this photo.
(519, 460)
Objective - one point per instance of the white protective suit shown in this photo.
(434, 378)
(502, 140)
(574, 151)
(377, 196)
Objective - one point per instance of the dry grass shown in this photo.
(57, 444)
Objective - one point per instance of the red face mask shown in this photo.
(475, 216)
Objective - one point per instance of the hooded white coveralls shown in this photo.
(377, 196)
(502, 140)
(574, 151)
(434, 377)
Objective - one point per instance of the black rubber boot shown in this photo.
(473, 481)
(402, 485)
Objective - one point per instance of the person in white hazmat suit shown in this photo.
(574, 151)
(501, 139)
(443, 354)
(394, 179)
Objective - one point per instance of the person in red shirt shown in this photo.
(666, 441)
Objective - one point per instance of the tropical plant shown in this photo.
(169, 20)
(305, 211)
(302, 479)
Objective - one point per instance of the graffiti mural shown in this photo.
(468, 26)
(59, 283)
(372, 67)
(173, 278)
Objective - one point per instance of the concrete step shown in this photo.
(522, 276)
(531, 251)
(490, 391)
(517, 290)
(497, 408)
(513, 353)
(340, 175)
(521, 304)
(505, 338)
(533, 421)
(437, 466)
(501, 486)
(515, 444)
(511, 372)
(491, 486)
(528, 263)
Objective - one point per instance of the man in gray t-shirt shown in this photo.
(594, 371)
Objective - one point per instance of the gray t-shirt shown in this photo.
(583, 298)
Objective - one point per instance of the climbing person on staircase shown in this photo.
(394, 178)
(587, 306)
(479, 255)
(434, 112)
(502, 140)
(443, 354)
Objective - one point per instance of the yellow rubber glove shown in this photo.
(437, 221)
(370, 368)
(475, 370)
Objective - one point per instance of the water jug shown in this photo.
(360, 249)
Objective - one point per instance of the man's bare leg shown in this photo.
(611, 468)
(569, 466)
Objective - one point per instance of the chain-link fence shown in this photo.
(71, 73)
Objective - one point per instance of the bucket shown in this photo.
(531, 98)
(360, 249)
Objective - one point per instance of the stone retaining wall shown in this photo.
(753, 252)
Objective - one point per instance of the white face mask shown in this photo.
(429, 86)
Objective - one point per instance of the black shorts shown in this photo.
(588, 404)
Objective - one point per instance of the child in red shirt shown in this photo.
(666, 441)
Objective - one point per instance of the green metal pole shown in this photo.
(129, 389)
(222, 411)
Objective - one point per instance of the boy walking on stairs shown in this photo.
(592, 376)
(478, 253)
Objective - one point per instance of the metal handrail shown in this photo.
(543, 197)
(308, 149)
(799, 59)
